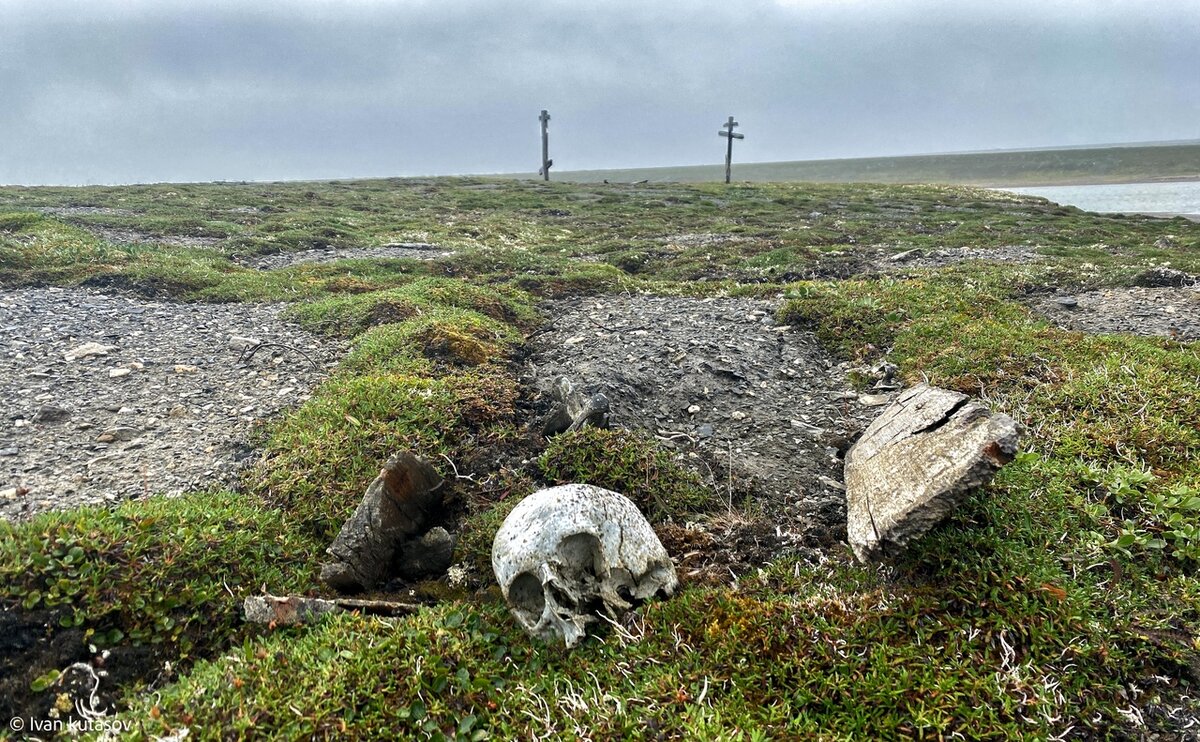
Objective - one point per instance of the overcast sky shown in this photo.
(115, 91)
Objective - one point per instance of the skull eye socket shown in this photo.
(526, 597)
(580, 555)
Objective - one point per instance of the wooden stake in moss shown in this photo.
(395, 509)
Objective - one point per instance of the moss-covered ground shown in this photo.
(1063, 600)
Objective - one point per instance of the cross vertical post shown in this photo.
(546, 161)
(727, 132)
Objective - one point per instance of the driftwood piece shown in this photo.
(293, 609)
(429, 555)
(395, 509)
(912, 466)
(574, 409)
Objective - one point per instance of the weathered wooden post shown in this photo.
(546, 161)
(727, 131)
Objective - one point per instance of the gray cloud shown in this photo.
(141, 90)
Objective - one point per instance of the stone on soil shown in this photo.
(573, 408)
(913, 465)
(427, 556)
(49, 413)
(59, 460)
(88, 349)
(732, 363)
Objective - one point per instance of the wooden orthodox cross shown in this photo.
(546, 161)
(727, 131)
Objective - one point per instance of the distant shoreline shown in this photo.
(1013, 169)
(1065, 183)
(1170, 215)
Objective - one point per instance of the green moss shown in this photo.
(320, 459)
(780, 658)
(478, 530)
(167, 571)
(438, 338)
(1106, 400)
(585, 279)
(626, 462)
(350, 315)
(19, 221)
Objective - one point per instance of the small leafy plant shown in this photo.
(1157, 521)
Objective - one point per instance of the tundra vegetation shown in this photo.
(1063, 599)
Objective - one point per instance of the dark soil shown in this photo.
(32, 644)
(940, 257)
(760, 411)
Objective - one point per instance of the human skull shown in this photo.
(567, 554)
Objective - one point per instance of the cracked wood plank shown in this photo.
(913, 465)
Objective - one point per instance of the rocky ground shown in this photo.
(415, 250)
(105, 398)
(757, 409)
(124, 236)
(864, 262)
(937, 258)
(1168, 311)
(133, 237)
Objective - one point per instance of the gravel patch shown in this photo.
(1164, 311)
(856, 262)
(125, 236)
(105, 398)
(755, 408)
(937, 258)
(414, 250)
(133, 237)
(705, 239)
(83, 210)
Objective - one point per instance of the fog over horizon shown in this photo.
(121, 91)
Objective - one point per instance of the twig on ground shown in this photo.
(729, 479)
(249, 352)
(670, 435)
(468, 477)
(603, 326)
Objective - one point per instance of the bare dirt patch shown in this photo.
(413, 250)
(133, 237)
(705, 239)
(940, 257)
(84, 211)
(124, 236)
(167, 407)
(760, 411)
(1163, 311)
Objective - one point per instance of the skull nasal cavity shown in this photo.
(526, 596)
(580, 554)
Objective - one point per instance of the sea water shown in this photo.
(1176, 197)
